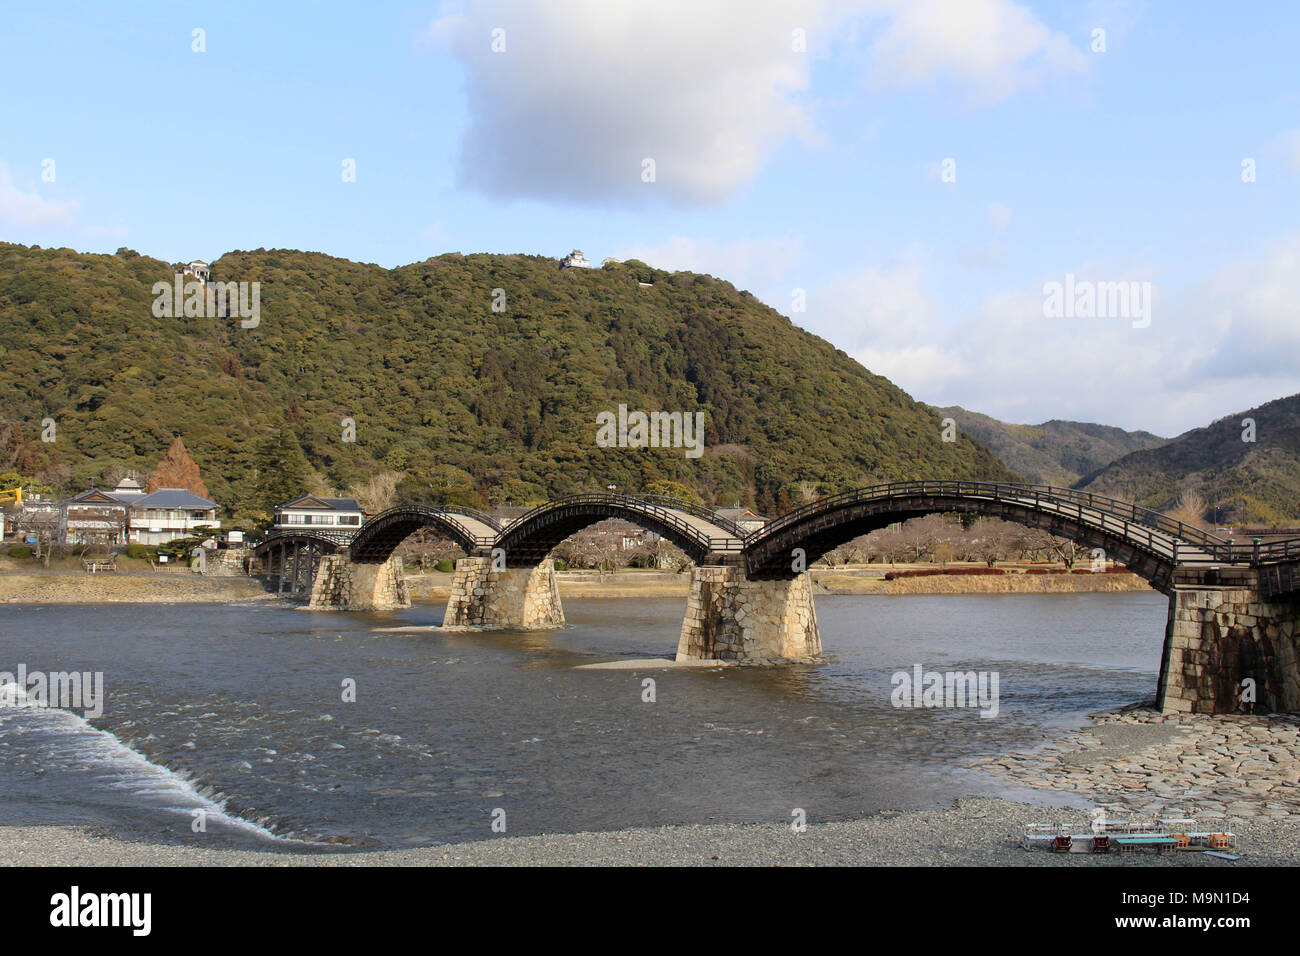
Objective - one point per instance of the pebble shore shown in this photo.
(1238, 767)
(974, 832)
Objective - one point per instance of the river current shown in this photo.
(239, 712)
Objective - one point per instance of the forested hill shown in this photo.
(470, 403)
(1247, 465)
(1055, 452)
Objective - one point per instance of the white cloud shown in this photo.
(1224, 344)
(1251, 311)
(23, 208)
(881, 308)
(991, 48)
(586, 90)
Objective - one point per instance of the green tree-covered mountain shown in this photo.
(1248, 481)
(498, 405)
(1055, 452)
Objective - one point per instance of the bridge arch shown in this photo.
(704, 535)
(1148, 543)
(379, 537)
(322, 542)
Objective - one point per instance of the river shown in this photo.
(238, 711)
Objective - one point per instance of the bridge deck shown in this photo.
(721, 538)
(473, 527)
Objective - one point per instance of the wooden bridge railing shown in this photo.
(1123, 518)
(665, 510)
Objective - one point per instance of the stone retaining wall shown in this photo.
(1216, 638)
(225, 562)
(511, 597)
(730, 618)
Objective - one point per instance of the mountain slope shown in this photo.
(1055, 452)
(500, 405)
(1250, 482)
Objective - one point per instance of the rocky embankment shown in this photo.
(1237, 767)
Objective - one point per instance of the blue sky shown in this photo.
(778, 169)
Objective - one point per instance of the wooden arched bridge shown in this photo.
(750, 595)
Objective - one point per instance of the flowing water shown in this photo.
(239, 711)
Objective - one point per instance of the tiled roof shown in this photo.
(338, 504)
(172, 498)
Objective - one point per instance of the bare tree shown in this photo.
(662, 553)
(428, 548)
(887, 543)
(378, 493)
(1190, 508)
(44, 523)
(991, 539)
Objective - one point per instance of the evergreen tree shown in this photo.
(282, 470)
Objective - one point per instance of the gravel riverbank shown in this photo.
(162, 587)
(974, 832)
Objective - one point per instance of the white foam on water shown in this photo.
(72, 736)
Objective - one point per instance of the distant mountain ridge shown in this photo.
(1250, 482)
(1054, 453)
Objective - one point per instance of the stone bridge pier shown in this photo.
(731, 618)
(1221, 633)
(482, 596)
(342, 585)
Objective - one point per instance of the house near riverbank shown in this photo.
(96, 517)
(127, 515)
(170, 513)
